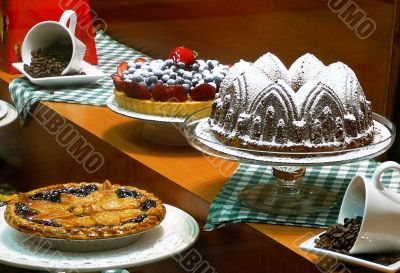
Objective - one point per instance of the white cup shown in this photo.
(380, 209)
(46, 33)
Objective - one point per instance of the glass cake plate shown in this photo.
(288, 196)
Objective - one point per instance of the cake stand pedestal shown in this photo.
(288, 195)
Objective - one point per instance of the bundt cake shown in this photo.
(308, 108)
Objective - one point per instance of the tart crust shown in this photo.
(154, 215)
(159, 108)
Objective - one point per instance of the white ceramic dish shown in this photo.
(309, 246)
(177, 232)
(92, 74)
(94, 245)
(3, 109)
(112, 104)
(10, 113)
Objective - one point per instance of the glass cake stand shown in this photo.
(288, 195)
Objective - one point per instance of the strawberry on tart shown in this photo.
(175, 87)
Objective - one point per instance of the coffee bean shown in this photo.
(50, 61)
(341, 238)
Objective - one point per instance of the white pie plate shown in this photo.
(309, 246)
(94, 245)
(92, 74)
(3, 109)
(177, 232)
(7, 113)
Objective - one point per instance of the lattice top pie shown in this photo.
(85, 211)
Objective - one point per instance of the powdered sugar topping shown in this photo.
(309, 105)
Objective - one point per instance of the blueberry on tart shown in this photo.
(83, 211)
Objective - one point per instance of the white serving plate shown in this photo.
(309, 246)
(177, 232)
(92, 74)
(3, 109)
(113, 105)
(94, 245)
(8, 113)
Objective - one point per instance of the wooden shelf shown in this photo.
(200, 175)
(182, 176)
(192, 170)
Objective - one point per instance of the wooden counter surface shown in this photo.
(196, 172)
(200, 175)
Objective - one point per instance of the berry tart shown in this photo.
(83, 211)
(175, 87)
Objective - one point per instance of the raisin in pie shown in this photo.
(85, 211)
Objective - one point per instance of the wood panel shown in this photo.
(229, 30)
(42, 161)
(236, 248)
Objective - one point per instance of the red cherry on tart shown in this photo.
(184, 55)
(203, 92)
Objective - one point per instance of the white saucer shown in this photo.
(177, 232)
(92, 74)
(7, 113)
(309, 246)
(3, 109)
(113, 105)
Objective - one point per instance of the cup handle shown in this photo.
(69, 15)
(376, 177)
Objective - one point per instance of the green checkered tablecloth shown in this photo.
(225, 208)
(110, 53)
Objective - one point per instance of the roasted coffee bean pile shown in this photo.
(384, 259)
(340, 237)
(50, 61)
